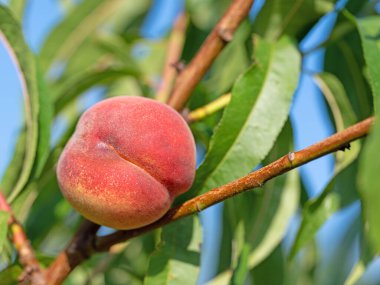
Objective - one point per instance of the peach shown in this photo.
(128, 158)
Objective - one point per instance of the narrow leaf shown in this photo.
(348, 52)
(317, 210)
(4, 217)
(11, 35)
(336, 97)
(369, 29)
(70, 89)
(176, 261)
(277, 226)
(370, 162)
(75, 28)
(259, 107)
(18, 8)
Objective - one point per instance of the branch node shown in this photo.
(347, 146)
(291, 157)
(199, 208)
(179, 66)
(226, 34)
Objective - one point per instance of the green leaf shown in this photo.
(369, 178)
(232, 62)
(4, 217)
(10, 275)
(258, 109)
(240, 273)
(11, 34)
(336, 97)
(18, 8)
(70, 89)
(348, 52)
(80, 23)
(278, 17)
(258, 219)
(88, 54)
(14, 168)
(272, 270)
(275, 218)
(356, 273)
(176, 260)
(369, 30)
(336, 195)
(45, 118)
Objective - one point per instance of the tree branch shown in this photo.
(68, 259)
(175, 46)
(32, 271)
(220, 36)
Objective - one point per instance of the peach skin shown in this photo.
(128, 158)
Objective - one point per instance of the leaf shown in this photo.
(88, 54)
(70, 89)
(80, 23)
(18, 8)
(175, 261)
(258, 219)
(369, 29)
(278, 17)
(277, 219)
(318, 210)
(356, 273)
(240, 273)
(336, 97)
(10, 275)
(272, 270)
(14, 168)
(232, 62)
(4, 217)
(348, 52)
(45, 118)
(335, 195)
(10, 33)
(258, 109)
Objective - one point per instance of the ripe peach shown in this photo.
(128, 158)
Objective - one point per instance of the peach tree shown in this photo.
(222, 79)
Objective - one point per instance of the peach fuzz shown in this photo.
(128, 158)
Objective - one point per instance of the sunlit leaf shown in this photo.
(79, 24)
(337, 99)
(336, 194)
(75, 86)
(4, 217)
(18, 8)
(258, 109)
(175, 261)
(11, 35)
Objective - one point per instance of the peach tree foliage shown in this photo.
(261, 68)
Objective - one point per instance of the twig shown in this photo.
(176, 41)
(32, 273)
(206, 110)
(220, 36)
(79, 249)
(339, 141)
